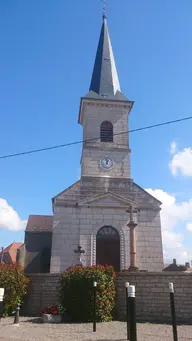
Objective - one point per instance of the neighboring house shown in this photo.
(175, 267)
(9, 254)
(36, 253)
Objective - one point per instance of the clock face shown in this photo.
(106, 162)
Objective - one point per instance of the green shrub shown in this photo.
(15, 283)
(76, 293)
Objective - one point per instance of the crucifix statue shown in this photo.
(132, 225)
(79, 252)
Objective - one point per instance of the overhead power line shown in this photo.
(94, 138)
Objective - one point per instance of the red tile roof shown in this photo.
(39, 223)
(11, 250)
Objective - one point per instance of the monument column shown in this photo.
(132, 225)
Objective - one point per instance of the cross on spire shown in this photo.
(104, 8)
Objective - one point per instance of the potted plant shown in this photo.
(53, 314)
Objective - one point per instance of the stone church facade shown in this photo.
(93, 212)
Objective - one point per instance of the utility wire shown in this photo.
(94, 138)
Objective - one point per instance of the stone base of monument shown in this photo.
(49, 318)
(133, 269)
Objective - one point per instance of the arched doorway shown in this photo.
(108, 247)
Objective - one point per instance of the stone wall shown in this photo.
(43, 291)
(152, 296)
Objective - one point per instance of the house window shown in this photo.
(106, 132)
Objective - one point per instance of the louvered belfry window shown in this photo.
(106, 133)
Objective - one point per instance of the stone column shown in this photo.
(132, 225)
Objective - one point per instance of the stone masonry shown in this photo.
(43, 291)
(152, 295)
(94, 113)
(89, 204)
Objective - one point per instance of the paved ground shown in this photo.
(28, 330)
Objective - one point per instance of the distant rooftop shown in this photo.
(11, 252)
(39, 223)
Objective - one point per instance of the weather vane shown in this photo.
(104, 7)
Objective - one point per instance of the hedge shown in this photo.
(15, 283)
(76, 293)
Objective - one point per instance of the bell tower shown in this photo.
(104, 114)
(92, 214)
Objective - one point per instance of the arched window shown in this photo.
(108, 247)
(106, 132)
(108, 232)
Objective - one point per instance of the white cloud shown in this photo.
(173, 214)
(189, 227)
(173, 148)
(181, 161)
(9, 218)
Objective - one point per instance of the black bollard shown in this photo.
(2, 290)
(94, 305)
(173, 314)
(127, 308)
(16, 319)
(132, 313)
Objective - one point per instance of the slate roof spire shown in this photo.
(105, 81)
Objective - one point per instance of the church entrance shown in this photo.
(108, 247)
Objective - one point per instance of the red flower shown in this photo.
(54, 310)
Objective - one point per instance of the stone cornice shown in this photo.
(107, 105)
(153, 274)
(103, 104)
(63, 203)
(110, 147)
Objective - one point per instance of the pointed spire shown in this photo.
(105, 80)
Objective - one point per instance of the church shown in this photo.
(104, 217)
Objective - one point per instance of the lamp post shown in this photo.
(1, 260)
(127, 308)
(79, 252)
(16, 319)
(132, 225)
(94, 305)
(132, 313)
(2, 291)
(173, 314)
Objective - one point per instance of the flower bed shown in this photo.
(53, 314)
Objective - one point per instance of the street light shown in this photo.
(127, 308)
(2, 292)
(1, 260)
(132, 313)
(133, 222)
(94, 305)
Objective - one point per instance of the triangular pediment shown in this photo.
(108, 199)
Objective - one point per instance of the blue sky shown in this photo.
(46, 60)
